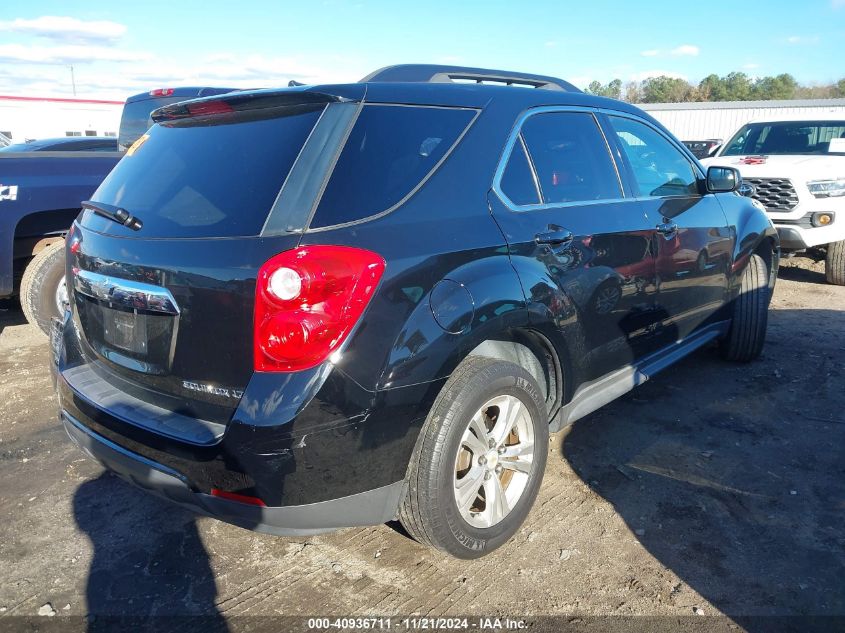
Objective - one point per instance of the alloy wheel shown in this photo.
(494, 461)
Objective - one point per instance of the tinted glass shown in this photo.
(570, 157)
(791, 137)
(390, 150)
(201, 179)
(660, 169)
(517, 179)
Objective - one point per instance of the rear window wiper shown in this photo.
(121, 216)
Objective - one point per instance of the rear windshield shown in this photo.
(211, 177)
(788, 137)
(390, 151)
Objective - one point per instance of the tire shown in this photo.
(834, 263)
(39, 286)
(750, 313)
(430, 511)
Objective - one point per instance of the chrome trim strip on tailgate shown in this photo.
(125, 293)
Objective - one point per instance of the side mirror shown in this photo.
(722, 179)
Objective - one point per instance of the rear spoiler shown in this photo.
(250, 100)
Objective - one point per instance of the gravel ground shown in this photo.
(713, 489)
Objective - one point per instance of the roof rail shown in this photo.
(432, 73)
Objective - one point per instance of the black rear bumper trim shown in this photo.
(371, 507)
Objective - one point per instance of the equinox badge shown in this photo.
(216, 391)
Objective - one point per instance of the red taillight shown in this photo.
(234, 496)
(74, 240)
(307, 300)
(161, 92)
(209, 107)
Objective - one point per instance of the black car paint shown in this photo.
(350, 425)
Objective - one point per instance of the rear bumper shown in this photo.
(371, 507)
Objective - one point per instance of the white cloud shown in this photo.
(71, 54)
(837, 4)
(799, 39)
(66, 29)
(750, 66)
(550, 44)
(685, 50)
(648, 74)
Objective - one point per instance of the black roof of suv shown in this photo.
(328, 306)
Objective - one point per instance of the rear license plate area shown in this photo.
(125, 330)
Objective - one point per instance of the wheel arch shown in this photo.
(530, 349)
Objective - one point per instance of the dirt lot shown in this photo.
(714, 488)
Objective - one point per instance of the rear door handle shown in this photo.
(667, 228)
(554, 236)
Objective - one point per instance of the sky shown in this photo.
(122, 48)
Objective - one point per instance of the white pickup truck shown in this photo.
(796, 169)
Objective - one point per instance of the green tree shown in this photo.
(738, 87)
(781, 87)
(734, 86)
(632, 92)
(712, 88)
(666, 90)
(612, 89)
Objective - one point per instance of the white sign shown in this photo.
(837, 145)
(8, 192)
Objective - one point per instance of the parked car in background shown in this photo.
(135, 119)
(4, 140)
(66, 144)
(796, 169)
(375, 300)
(42, 184)
(703, 149)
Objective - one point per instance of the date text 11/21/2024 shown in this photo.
(417, 623)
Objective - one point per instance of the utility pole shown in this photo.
(72, 80)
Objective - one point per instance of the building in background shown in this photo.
(27, 118)
(720, 119)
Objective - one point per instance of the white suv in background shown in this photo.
(796, 169)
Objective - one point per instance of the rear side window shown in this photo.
(211, 177)
(571, 158)
(389, 152)
(660, 169)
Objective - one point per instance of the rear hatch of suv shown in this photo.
(163, 310)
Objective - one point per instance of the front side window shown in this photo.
(570, 157)
(659, 168)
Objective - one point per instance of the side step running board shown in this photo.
(599, 392)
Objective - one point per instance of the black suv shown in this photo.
(317, 307)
